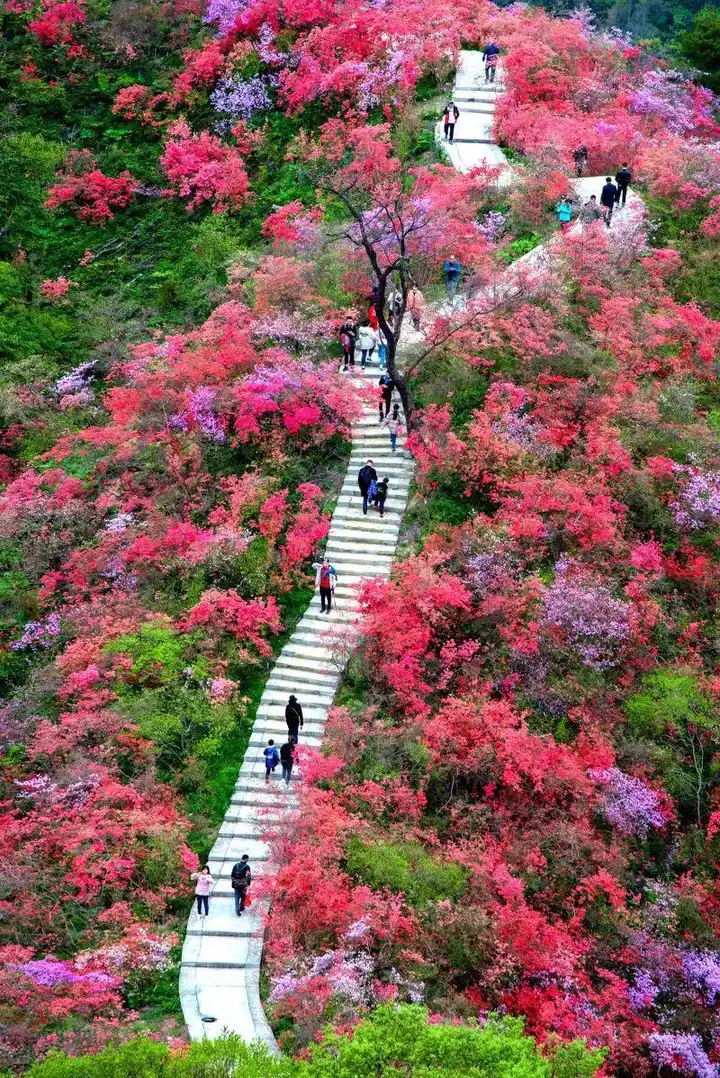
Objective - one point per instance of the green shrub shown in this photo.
(393, 1041)
(669, 699)
(405, 867)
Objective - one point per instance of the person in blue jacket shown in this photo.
(451, 272)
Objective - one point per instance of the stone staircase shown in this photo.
(220, 967)
(473, 143)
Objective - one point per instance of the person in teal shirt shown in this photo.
(564, 211)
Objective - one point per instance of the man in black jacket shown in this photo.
(240, 880)
(365, 477)
(287, 760)
(294, 719)
(608, 198)
(623, 179)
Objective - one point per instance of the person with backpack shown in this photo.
(387, 385)
(608, 198)
(348, 337)
(623, 179)
(451, 272)
(366, 476)
(591, 211)
(287, 760)
(450, 119)
(381, 489)
(294, 716)
(393, 424)
(367, 339)
(240, 880)
(272, 758)
(580, 157)
(325, 580)
(203, 887)
(490, 59)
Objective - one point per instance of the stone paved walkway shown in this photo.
(473, 143)
(219, 977)
(220, 971)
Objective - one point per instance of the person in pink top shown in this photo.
(203, 887)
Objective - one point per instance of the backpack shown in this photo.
(326, 576)
(372, 489)
(272, 757)
(345, 340)
(243, 879)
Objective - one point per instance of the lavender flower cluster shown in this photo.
(42, 788)
(593, 624)
(240, 98)
(630, 806)
(699, 503)
(75, 380)
(225, 13)
(492, 225)
(665, 95)
(119, 523)
(200, 410)
(39, 634)
(525, 432)
(291, 329)
(50, 972)
(681, 1052)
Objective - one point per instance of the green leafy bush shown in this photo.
(394, 1041)
(405, 867)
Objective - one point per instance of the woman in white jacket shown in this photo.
(367, 340)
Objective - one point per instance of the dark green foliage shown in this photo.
(701, 46)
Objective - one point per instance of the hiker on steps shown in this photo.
(581, 157)
(287, 760)
(325, 580)
(294, 717)
(203, 887)
(381, 489)
(367, 340)
(415, 305)
(608, 198)
(591, 211)
(348, 337)
(272, 758)
(393, 424)
(366, 476)
(387, 385)
(240, 880)
(451, 272)
(490, 59)
(623, 179)
(450, 119)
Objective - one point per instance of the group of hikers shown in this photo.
(613, 194)
(241, 875)
(490, 56)
(240, 880)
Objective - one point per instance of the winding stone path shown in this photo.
(473, 143)
(219, 978)
(220, 970)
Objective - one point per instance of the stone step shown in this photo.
(305, 694)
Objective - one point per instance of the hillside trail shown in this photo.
(221, 958)
(220, 965)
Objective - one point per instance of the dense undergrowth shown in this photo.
(516, 809)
